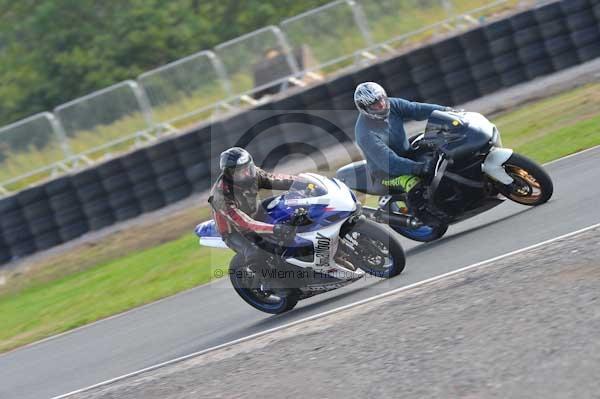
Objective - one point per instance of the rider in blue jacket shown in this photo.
(381, 136)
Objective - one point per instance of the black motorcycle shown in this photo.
(473, 174)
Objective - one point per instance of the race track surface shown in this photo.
(211, 315)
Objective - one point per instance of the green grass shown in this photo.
(554, 127)
(50, 308)
(42, 306)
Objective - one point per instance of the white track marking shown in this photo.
(332, 311)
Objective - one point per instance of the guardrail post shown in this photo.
(221, 72)
(361, 21)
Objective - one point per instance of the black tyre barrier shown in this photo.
(463, 94)
(424, 73)
(48, 240)
(581, 20)
(559, 45)
(459, 78)
(101, 221)
(148, 195)
(475, 45)
(489, 85)
(589, 52)
(483, 70)
(420, 56)
(584, 37)
(372, 73)
(90, 192)
(432, 88)
(513, 77)
(498, 29)
(453, 63)
(336, 87)
(507, 62)
(574, 6)
(553, 28)
(177, 194)
(42, 225)
(523, 20)
(198, 175)
(73, 231)
(127, 212)
(446, 47)
(141, 172)
(597, 12)
(31, 195)
(532, 52)
(65, 217)
(539, 68)
(502, 45)
(165, 165)
(549, 12)
(23, 248)
(527, 36)
(5, 255)
(565, 60)
(37, 209)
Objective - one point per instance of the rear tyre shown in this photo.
(375, 250)
(249, 286)
(532, 186)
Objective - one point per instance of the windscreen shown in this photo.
(443, 122)
(307, 187)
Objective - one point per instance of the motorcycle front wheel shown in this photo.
(251, 289)
(532, 186)
(375, 250)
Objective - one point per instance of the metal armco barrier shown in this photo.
(452, 71)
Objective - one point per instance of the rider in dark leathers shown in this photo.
(235, 203)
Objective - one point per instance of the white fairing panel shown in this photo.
(215, 242)
(493, 164)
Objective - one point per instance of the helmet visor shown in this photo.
(243, 173)
(380, 108)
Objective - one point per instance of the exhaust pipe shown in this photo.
(391, 218)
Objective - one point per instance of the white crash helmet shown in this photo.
(372, 100)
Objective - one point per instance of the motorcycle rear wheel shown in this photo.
(251, 289)
(376, 251)
(532, 185)
(421, 234)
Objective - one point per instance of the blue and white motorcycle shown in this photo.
(335, 245)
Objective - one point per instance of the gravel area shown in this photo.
(524, 326)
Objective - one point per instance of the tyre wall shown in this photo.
(458, 69)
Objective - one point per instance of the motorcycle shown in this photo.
(335, 245)
(473, 174)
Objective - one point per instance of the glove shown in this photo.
(426, 169)
(284, 233)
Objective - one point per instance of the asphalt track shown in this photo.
(212, 315)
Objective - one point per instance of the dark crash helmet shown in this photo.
(372, 100)
(238, 166)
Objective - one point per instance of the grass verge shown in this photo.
(135, 267)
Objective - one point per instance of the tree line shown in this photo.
(52, 51)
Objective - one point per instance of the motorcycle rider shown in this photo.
(235, 203)
(380, 134)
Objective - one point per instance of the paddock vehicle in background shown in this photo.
(473, 174)
(334, 246)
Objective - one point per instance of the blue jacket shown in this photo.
(384, 143)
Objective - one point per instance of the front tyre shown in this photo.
(252, 289)
(375, 250)
(532, 186)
